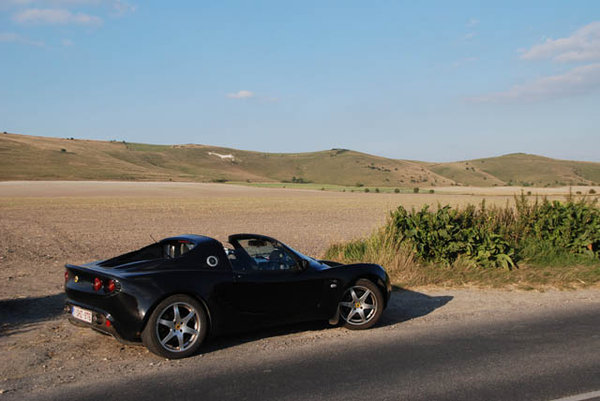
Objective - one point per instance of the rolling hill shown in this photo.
(520, 169)
(24, 157)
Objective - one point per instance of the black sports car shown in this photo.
(173, 293)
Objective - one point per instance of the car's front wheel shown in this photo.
(361, 305)
(176, 328)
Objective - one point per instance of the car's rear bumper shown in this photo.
(102, 321)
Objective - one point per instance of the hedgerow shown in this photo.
(536, 232)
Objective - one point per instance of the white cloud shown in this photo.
(121, 8)
(582, 45)
(54, 3)
(579, 80)
(472, 22)
(118, 7)
(55, 17)
(243, 94)
(9, 37)
(469, 35)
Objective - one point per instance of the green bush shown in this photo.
(539, 232)
(446, 234)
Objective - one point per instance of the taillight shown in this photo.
(97, 284)
(66, 276)
(110, 285)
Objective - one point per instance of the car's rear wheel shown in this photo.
(361, 305)
(176, 328)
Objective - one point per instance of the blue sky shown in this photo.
(424, 80)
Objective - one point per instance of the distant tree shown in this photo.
(366, 189)
(431, 191)
(299, 180)
(377, 190)
(63, 150)
(592, 191)
(416, 190)
(397, 190)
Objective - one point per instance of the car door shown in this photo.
(274, 285)
(288, 296)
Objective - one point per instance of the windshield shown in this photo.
(268, 255)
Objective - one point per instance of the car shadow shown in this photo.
(406, 305)
(403, 305)
(20, 312)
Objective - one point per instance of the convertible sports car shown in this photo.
(173, 293)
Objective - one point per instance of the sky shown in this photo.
(419, 80)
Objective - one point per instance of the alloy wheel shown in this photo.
(177, 327)
(358, 305)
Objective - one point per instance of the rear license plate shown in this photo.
(82, 314)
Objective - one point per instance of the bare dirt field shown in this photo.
(44, 225)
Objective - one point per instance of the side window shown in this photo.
(268, 256)
(174, 249)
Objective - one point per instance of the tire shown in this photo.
(361, 305)
(176, 328)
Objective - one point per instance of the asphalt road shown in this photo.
(539, 358)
